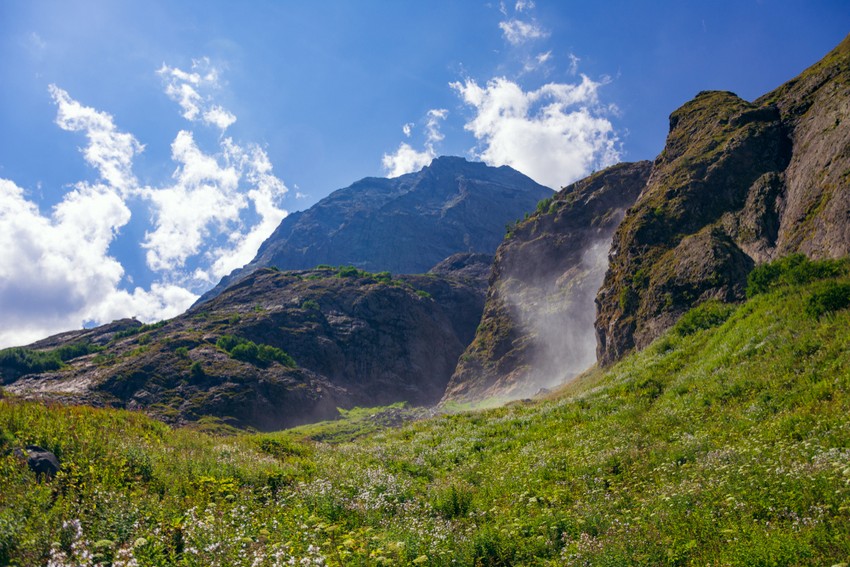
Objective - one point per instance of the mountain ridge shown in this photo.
(402, 225)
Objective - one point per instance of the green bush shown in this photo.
(227, 342)
(833, 297)
(249, 351)
(310, 305)
(795, 269)
(704, 316)
(196, 370)
(543, 205)
(136, 330)
(348, 272)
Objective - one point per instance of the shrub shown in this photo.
(423, 294)
(310, 305)
(348, 272)
(227, 342)
(704, 316)
(795, 269)
(832, 297)
(543, 205)
(249, 351)
(628, 300)
(196, 370)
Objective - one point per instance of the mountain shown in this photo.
(536, 327)
(738, 183)
(404, 225)
(273, 350)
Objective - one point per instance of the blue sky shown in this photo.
(148, 148)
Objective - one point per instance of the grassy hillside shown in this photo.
(727, 442)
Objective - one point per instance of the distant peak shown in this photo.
(443, 162)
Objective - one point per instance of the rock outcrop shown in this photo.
(404, 225)
(537, 322)
(275, 350)
(737, 184)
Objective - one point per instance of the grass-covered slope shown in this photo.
(726, 442)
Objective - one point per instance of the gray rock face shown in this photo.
(403, 225)
(536, 330)
(356, 339)
(737, 184)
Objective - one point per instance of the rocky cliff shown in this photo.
(738, 183)
(276, 349)
(536, 330)
(404, 225)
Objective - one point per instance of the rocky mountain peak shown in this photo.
(403, 225)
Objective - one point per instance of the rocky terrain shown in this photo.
(404, 225)
(535, 331)
(737, 184)
(275, 350)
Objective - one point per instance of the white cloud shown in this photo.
(407, 129)
(189, 88)
(109, 151)
(406, 159)
(523, 5)
(266, 192)
(56, 270)
(433, 125)
(518, 31)
(219, 117)
(555, 134)
(209, 198)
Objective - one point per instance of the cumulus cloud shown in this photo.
(555, 134)
(517, 32)
(406, 159)
(56, 269)
(190, 89)
(208, 198)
